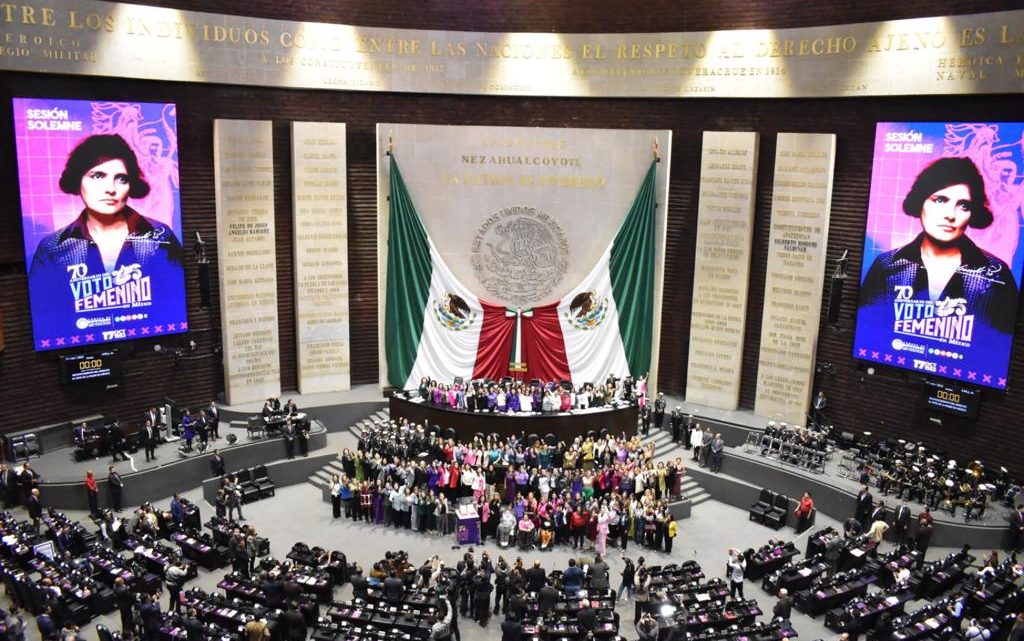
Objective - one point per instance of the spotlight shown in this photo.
(871, 371)
(158, 348)
(192, 346)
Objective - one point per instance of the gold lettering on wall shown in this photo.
(244, 178)
(320, 241)
(725, 220)
(870, 59)
(797, 245)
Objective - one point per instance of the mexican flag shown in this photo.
(436, 328)
(431, 321)
(605, 325)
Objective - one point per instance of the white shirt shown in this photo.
(696, 438)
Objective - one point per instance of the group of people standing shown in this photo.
(528, 493)
(515, 396)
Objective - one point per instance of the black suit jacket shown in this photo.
(878, 514)
(864, 502)
(903, 516)
(535, 579)
(35, 508)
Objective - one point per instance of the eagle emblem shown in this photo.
(453, 312)
(587, 311)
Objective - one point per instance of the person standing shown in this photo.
(677, 423)
(643, 593)
(783, 609)
(149, 438)
(194, 630)
(601, 542)
(901, 523)
(645, 420)
(659, 411)
(865, 502)
(124, 598)
(214, 416)
(117, 442)
(288, 432)
(705, 447)
(336, 488)
(151, 617)
(175, 575)
(116, 485)
(35, 509)
(736, 566)
(217, 463)
(803, 512)
(92, 493)
(628, 575)
(671, 530)
(1016, 528)
(717, 453)
(233, 497)
(696, 438)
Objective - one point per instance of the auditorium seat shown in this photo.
(753, 442)
(262, 480)
(763, 505)
(776, 517)
(250, 491)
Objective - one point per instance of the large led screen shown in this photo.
(102, 220)
(942, 250)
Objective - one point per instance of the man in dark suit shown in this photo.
(659, 411)
(536, 577)
(35, 509)
(901, 524)
(116, 436)
(511, 629)
(149, 438)
(864, 504)
(677, 424)
(783, 609)
(393, 589)
(9, 486)
(292, 624)
(151, 415)
(548, 598)
(586, 618)
(151, 617)
(27, 481)
(193, 626)
(645, 419)
(288, 433)
(879, 513)
(1016, 529)
(116, 485)
(217, 465)
(213, 414)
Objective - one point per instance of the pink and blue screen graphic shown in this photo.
(78, 296)
(963, 332)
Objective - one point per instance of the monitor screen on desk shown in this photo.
(45, 549)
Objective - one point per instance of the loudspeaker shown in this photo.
(204, 285)
(835, 300)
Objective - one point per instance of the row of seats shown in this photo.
(787, 452)
(22, 448)
(255, 483)
(771, 509)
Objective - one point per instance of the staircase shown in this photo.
(664, 451)
(321, 479)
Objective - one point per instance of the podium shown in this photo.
(467, 530)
